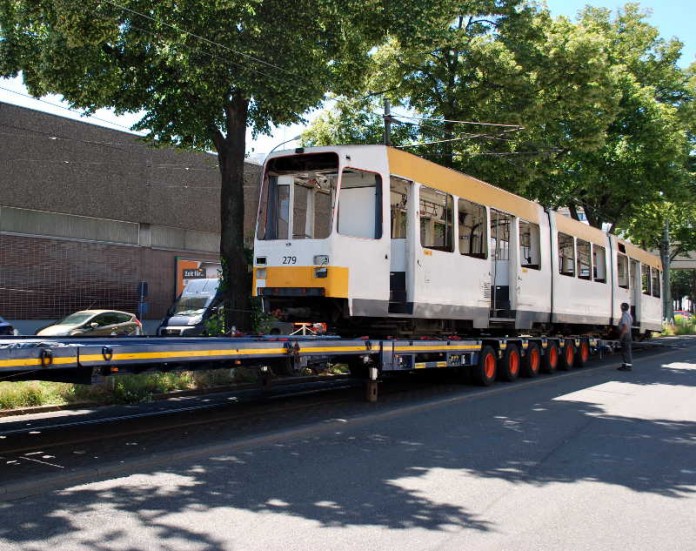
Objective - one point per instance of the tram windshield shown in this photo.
(298, 197)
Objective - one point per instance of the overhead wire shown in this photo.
(507, 128)
(131, 25)
(203, 39)
(473, 123)
(70, 109)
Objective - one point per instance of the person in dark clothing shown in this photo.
(625, 324)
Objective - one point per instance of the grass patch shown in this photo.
(124, 389)
(132, 389)
(681, 326)
(35, 393)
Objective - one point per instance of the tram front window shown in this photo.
(298, 196)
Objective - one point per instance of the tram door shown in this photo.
(636, 291)
(400, 198)
(500, 264)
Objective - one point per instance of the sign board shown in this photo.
(194, 273)
(187, 270)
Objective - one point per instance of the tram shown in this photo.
(371, 239)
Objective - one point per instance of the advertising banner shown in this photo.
(187, 270)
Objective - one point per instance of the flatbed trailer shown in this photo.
(88, 360)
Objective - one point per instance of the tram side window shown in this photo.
(530, 246)
(360, 204)
(599, 263)
(584, 260)
(472, 229)
(622, 271)
(566, 254)
(656, 277)
(645, 279)
(435, 214)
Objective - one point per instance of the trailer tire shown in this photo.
(550, 360)
(583, 354)
(484, 373)
(568, 355)
(509, 364)
(531, 364)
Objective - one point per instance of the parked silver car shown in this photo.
(88, 323)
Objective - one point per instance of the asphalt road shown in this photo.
(593, 459)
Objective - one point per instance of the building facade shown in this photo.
(89, 214)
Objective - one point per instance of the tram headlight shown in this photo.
(321, 272)
(260, 273)
(321, 260)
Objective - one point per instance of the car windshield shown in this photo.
(75, 319)
(191, 306)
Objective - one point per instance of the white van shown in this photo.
(199, 301)
(190, 311)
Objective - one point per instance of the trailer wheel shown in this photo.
(568, 356)
(509, 365)
(484, 372)
(583, 354)
(550, 359)
(532, 360)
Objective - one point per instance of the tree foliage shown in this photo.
(201, 72)
(606, 114)
(644, 154)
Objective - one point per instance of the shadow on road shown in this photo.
(427, 467)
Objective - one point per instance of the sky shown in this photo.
(673, 18)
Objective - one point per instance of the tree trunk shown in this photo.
(235, 268)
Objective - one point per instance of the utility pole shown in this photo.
(387, 122)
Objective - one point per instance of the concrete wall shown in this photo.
(87, 212)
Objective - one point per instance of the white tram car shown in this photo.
(373, 240)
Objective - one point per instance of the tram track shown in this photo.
(170, 412)
(256, 407)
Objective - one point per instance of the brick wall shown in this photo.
(48, 279)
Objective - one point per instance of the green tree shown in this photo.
(458, 67)
(355, 121)
(647, 227)
(532, 82)
(602, 106)
(643, 155)
(201, 72)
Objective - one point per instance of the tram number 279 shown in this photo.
(289, 260)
